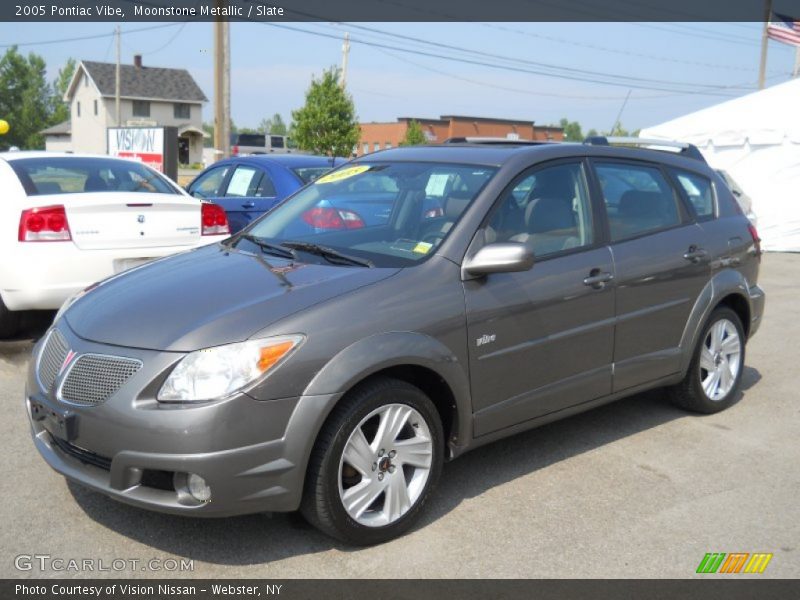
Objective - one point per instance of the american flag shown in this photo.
(784, 29)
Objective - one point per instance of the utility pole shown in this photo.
(222, 67)
(345, 54)
(762, 69)
(117, 82)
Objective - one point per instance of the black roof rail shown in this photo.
(684, 148)
(493, 141)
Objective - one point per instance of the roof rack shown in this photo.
(684, 148)
(499, 141)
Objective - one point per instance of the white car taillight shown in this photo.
(44, 224)
(214, 220)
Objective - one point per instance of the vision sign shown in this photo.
(145, 144)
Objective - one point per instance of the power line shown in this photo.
(533, 63)
(88, 37)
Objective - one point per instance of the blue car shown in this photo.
(248, 186)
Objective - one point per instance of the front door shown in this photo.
(249, 194)
(542, 340)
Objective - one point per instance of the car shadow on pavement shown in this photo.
(263, 538)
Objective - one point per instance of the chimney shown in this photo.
(137, 61)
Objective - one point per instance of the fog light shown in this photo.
(198, 488)
(194, 485)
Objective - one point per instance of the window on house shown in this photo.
(78, 108)
(366, 148)
(181, 110)
(387, 145)
(85, 80)
(376, 146)
(141, 108)
(95, 107)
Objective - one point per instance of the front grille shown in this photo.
(85, 456)
(53, 354)
(94, 378)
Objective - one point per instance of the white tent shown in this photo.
(755, 138)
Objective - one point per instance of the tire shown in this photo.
(354, 489)
(9, 321)
(714, 356)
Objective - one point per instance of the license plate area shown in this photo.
(60, 424)
(123, 264)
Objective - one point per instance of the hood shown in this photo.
(207, 297)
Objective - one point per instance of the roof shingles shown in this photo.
(145, 82)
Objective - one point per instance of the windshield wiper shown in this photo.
(329, 254)
(269, 247)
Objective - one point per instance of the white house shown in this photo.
(149, 97)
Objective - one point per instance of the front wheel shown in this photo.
(715, 373)
(375, 463)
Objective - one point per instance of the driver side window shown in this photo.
(209, 184)
(548, 208)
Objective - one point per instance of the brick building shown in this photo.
(379, 136)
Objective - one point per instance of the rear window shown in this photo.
(77, 175)
(249, 139)
(699, 191)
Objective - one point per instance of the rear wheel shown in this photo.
(375, 463)
(9, 321)
(715, 374)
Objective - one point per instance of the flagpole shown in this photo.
(796, 70)
(762, 70)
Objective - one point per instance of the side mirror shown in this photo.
(510, 257)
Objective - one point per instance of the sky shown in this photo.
(397, 76)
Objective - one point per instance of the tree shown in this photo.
(25, 99)
(572, 130)
(327, 123)
(414, 135)
(59, 107)
(274, 125)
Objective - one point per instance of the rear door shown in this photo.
(661, 267)
(249, 193)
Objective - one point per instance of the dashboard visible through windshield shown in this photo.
(375, 214)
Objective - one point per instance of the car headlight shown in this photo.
(215, 373)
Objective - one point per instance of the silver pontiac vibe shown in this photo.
(395, 313)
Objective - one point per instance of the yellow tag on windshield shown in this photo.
(422, 248)
(342, 174)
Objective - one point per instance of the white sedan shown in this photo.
(68, 220)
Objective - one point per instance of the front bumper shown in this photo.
(252, 454)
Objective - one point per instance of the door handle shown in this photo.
(249, 204)
(598, 279)
(695, 254)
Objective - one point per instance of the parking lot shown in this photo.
(633, 489)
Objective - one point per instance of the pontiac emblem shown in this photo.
(140, 218)
(68, 359)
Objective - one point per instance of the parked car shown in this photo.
(244, 144)
(335, 372)
(248, 186)
(68, 220)
(745, 201)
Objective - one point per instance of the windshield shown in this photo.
(389, 214)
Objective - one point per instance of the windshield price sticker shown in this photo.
(342, 174)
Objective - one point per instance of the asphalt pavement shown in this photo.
(633, 489)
